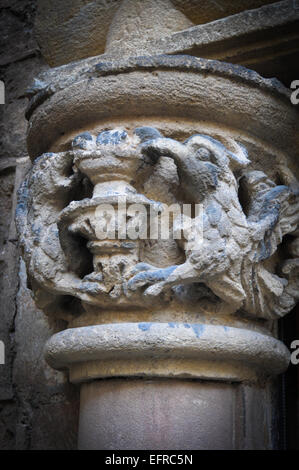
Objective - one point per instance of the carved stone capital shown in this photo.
(153, 132)
(159, 220)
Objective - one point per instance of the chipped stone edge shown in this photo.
(175, 350)
(172, 63)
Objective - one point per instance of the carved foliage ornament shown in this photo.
(245, 218)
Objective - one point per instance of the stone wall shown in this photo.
(38, 407)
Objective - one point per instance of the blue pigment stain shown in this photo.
(147, 133)
(173, 324)
(144, 326)
(111, 137)
(198, 330)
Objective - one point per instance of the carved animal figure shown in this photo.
(237, 258)
(233, 260)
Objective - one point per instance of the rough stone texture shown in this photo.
(47, 404)
(254, 34)
(71, 30)
(19, 63)
(173, 349)
(253, 38)
(75, 29)
(139, 414)
(179, 89)
(264, 39)
(38, 409)
(157, 414)
(234, 261)
(17, 42)
(209, 10)
(150, 19)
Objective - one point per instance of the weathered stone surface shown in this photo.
(231, 279)
(230, 259)
(48, 404)
(19, 62)
(17, 78)
(254, 34)
(16, 42)
(156, 415)
(73, 30)
(174, 414)
(186, 94)
(137, 24)
(8, 426)
(60, 78)
(210, 10)
(21, 401)
(6, 191)
(174, 349)
(251, 38)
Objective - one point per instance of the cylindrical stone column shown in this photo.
(170, 414)
(171, 386)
